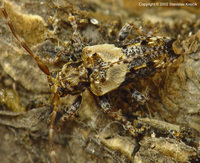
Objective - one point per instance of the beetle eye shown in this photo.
(144, 42)
(54, 74)
(89, 71)
(60, 91)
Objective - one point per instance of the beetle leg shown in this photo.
(56, 100)
(76, 37)
(54, 60)
(105, 105)
(138, 96)
(72, 110)
(125, 31)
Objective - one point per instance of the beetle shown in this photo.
(102, 69)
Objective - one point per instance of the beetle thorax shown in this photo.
(71, 79)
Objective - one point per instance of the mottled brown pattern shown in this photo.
(103, 68)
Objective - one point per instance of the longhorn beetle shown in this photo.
(103, 68)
